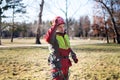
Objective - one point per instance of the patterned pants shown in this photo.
(60, 74)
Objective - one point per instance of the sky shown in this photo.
(52, 8)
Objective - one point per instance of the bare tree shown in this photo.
(66, 15)
(66, 9)
(38, 34)
(85, 25)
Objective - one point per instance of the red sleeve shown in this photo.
(50, 34)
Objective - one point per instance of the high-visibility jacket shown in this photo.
(59, 48)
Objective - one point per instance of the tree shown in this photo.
(110, 29)
(0, 24)
(18, 7)
(2, 9)
(66, 8)
(38, 34)
(66, 15)
(105, 23)
(85, 25)
(96, 30)
(109, 6)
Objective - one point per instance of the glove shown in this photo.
(74, 58)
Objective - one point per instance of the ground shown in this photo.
(97, 61)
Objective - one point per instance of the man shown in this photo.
(59, 50)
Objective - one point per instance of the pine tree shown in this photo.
(18, 7)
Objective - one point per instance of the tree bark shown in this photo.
(0, 29)
(12, 32)
(38, 34)
(66, 15)
(106, 34)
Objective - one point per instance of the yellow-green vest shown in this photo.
(63, 42)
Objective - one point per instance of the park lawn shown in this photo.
(96, 62)
(19, 41)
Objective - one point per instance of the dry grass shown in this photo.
(26, 41)
(17, 41)
(96, 62)
(24, 64)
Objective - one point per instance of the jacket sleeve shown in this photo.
(73, 53)
(50, 35)
(54, 58)
(74, 57)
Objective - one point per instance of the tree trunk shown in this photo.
(12, 32)
(116, 31)
(106, 34)
(114, 40)
(38, 34)
(66, 15)
(0, 29)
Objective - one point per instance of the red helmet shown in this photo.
(59, 19)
